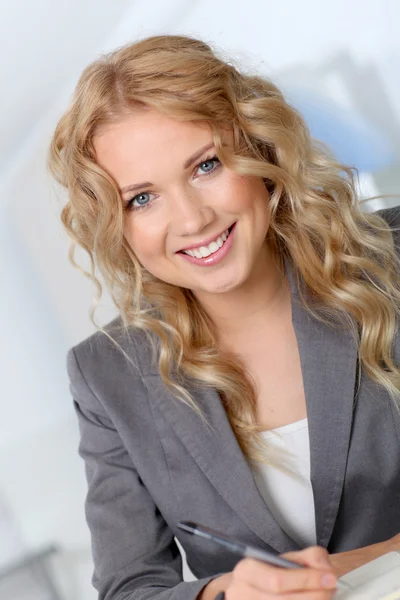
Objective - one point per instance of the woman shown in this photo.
(255, 299)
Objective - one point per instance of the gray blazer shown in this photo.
(151, 462)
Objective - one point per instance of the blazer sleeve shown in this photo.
(134, 551)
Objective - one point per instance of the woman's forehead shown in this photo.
(149, 128)
(148, 141)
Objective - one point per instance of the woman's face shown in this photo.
(177, 196)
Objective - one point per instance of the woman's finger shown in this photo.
(275, 580)
(315, 556)
(244, 592)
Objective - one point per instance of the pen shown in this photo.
(243, 550)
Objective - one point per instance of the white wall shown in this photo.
(44, 302)
(285, 33)
(276, 37)
(43, 44)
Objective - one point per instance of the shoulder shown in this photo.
(392, 218)
(111, 359)
(391, 215)
(113, 344)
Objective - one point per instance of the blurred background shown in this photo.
(338, 62)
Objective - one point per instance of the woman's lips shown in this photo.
(206, 242)
(217, 256)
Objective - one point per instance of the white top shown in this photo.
(289, 496)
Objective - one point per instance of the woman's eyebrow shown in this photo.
(138, 186)
(197, 155)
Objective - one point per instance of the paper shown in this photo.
(376, 580)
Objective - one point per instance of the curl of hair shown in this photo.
(347, 259)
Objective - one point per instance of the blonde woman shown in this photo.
(251, 382)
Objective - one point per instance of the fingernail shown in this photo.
(221, 596)
(328, 581)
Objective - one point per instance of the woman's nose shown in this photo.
(191, 213)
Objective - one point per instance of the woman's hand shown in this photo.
(343, 562)
(254, 580)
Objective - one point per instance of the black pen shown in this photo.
(243, 550)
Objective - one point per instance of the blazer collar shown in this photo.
(328, 360)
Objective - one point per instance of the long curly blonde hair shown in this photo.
(347, 259)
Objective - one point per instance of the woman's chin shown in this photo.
(221, 285)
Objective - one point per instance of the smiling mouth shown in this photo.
(205, 251)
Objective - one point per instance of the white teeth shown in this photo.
(213, 247)
(205, 251)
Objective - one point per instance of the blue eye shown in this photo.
(141, 198)
(139, 201)
(209, 165)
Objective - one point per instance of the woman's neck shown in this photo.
(265, 295)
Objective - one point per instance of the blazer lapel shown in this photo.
(328, 358)
(217, 453)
